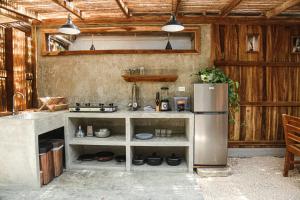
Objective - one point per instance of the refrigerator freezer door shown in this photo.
(211, 136)
(210, 97)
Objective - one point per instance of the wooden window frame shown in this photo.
(195, 30)
(258, 42)
(292, 38)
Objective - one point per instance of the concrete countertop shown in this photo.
(132, 114)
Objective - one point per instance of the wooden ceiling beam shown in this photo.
(282, 7)
(124, 8)
(229, 7)
(15, 16)
(16, 12)
(159, 20)
(177, 7)
(75, 11)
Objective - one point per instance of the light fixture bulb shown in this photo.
(173, 25)
(69, 28)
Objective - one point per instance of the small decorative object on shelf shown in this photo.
(89, 131)
(79, 133)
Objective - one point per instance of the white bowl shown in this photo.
(102, 133)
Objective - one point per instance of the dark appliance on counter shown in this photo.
(164, 103)
(88, 107)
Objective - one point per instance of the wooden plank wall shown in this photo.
(16, 68)
(267, 89)
(3, 99)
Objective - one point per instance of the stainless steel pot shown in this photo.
(102, 133)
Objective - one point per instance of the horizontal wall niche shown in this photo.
(115, 41)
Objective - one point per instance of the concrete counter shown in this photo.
(19, 146)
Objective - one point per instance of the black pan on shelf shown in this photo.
(173, 160)
(104, 156)
(154, 160)
(138, 160)
(86, 157)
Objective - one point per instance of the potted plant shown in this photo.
(215, 75)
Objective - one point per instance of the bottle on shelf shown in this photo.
(157, 102)
(79, 132)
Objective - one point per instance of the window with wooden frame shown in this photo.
(295, 44)
(118, 40)
(253, 42)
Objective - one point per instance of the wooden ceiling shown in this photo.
(48, 11)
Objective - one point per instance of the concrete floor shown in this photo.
(253, 179)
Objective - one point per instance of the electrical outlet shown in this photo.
(181, 89)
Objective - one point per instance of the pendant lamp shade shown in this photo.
(93, 46)
(69, 28)
(173, 25)
(169, 46)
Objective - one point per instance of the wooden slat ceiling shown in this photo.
(48, 9)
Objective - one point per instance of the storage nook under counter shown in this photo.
(123, 126)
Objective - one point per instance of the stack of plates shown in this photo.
(143, 136)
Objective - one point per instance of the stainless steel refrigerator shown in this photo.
(210, 105)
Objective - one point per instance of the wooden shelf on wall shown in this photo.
(94, 52)
(221, 63)
(150, 78)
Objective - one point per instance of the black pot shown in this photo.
(86, 157)
(173, 160)
(120, 158)
(154, 160)
(138, 160)
(104, 156)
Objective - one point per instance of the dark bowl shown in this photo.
(173, 160)
(86, 157)
(154, 160)
(138, 160)
(120, 158)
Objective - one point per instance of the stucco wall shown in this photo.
(98, 77)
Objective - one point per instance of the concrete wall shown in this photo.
(98, 77)
(130, 42)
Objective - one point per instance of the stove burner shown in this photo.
(88, 107)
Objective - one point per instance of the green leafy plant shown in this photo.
(215, 75)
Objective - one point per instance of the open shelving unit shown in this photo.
(124, 125)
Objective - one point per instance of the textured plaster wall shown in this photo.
(98, 77)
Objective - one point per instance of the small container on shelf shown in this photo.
(169, 132)
(157, 132)
(89, 131)
(163, 132)
(79, 133)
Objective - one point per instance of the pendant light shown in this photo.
(69, 28)
(92, 47)
(172, 25)
(169, 46)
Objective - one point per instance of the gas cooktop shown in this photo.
(88, 107)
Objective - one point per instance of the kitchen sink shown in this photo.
(27, 115)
